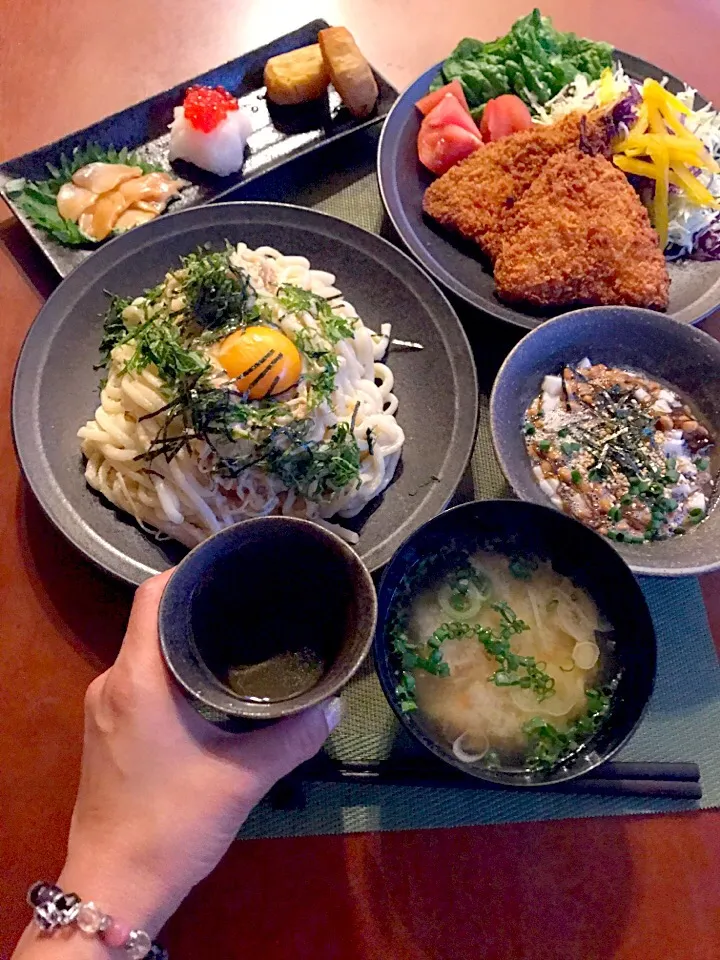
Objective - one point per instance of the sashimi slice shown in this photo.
(153, 186)
(133, 218)
(103, 177)
(73, 200)
(97, 221)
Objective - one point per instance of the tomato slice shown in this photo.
(430, 100)
(447, 135)
(504, 115)
(442, 147)
(448, 110)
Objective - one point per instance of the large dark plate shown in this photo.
(695, 287)
(56, 388)
(279, 133)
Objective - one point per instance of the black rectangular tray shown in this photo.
(278, 134)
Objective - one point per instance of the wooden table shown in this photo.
(625, 888)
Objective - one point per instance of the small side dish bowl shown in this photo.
(680, 357)
(516, 529)
(267, 618)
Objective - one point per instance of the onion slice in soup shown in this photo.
(465, 755)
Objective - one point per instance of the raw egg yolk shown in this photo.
(262, 361)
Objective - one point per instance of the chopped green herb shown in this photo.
(522, 568)
(569, 448)
(313, 469)
(576, 477)
(219, 295)
(703, 463)
(114, 329)
(563, 432)
(544, 445)
(333, 326)
(696, 512)
(528, 430)
(549, 746)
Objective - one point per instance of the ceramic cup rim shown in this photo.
(221, 698)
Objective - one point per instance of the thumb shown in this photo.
(272, 752)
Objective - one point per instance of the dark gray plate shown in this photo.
(56, 389)
(695, 286)
(684, 359)
(279, 134)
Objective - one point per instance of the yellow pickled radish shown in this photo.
(262, 361)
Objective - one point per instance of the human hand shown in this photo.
(162, 791)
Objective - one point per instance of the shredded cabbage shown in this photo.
(688, 222)
(585, 95)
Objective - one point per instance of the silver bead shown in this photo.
(138, 945)
(69, 906)
(47, 916)
(90, 919)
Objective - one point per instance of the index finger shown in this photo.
(141, 642)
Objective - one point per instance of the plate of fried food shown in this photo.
(541, 172)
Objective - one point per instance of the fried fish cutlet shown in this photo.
(474, 197)
(579, 235)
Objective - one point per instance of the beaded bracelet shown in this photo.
(53, 909)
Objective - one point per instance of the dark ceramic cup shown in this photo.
(267, 618)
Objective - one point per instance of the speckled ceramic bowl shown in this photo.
(575, 551)
(680, 356)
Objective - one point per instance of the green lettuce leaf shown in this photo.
(534, 61)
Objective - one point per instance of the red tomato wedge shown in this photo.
(430, 100)
(447, 135)
(502, 116)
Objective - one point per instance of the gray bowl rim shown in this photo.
(664, 321)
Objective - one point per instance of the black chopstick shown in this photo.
(677, 781)
(647, 770)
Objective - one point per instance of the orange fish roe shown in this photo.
(206, 107)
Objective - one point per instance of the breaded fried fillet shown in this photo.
(580, 235)
(474, 197)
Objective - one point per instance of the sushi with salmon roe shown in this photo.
(210, 130)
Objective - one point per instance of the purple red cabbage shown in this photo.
(707, 245)
(625, 111)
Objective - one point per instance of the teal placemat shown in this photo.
(682, 724)
(683, 721)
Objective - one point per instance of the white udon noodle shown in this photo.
(183, 498)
